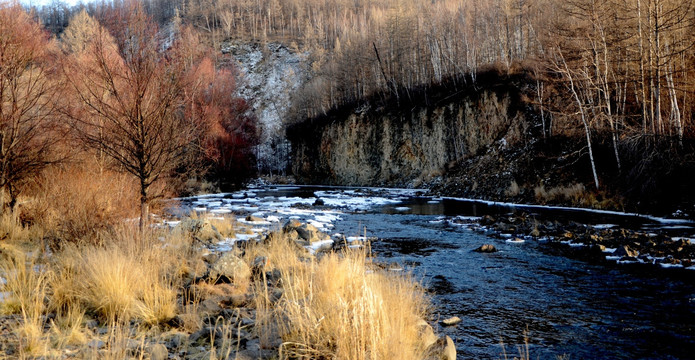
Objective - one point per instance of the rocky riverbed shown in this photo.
(605, 241)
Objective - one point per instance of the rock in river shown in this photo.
(451, 321)
(487, 248)
(625, 251)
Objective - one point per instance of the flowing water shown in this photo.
(527, 292)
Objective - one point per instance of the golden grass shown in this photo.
(333, 308)
(226, 225)
(118, 282)
(11, 228)
(26, 287)
(337, 308)
(68, 328)
(78, 203)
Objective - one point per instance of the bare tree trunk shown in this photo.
(144, 208)
(582, 112)
(675, 110)
(539, 93)
(641, 67)
(607, 99)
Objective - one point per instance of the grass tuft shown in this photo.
(337, 308)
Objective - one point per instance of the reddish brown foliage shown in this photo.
(28, 89)
(226, 129)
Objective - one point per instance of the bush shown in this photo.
(78, 202)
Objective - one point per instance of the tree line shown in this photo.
(635, 54)
(154, 104)
(629, 60)
(617, 68)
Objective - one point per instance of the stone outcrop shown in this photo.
(404, 145)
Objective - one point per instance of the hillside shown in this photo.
(485, 141)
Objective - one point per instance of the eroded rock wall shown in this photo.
(405, 145)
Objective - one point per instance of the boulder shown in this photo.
(451, 321)
(319, 202)
(442, 349)
(486, 248)
(229, 268)
(291, 225)
(625, 251)
(304, 232)
(200, 230)
(426, 333)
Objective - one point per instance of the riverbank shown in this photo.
(177, 294)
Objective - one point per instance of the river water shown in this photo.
(528, 292)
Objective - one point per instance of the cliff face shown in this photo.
(407, 144)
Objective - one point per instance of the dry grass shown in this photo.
(77, 203)
(574, 193)
(577, 195)
(336, 308)
(68, 328)
(12, 229)
(26, 285)
(332, 308)
(226, 225)
(125, 280)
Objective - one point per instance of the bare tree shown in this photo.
(129, 102)
(571, 76)
(28, 89)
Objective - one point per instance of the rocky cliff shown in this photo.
(407, 142)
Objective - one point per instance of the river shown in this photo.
(527, 292)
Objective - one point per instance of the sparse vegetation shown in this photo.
(574, 194)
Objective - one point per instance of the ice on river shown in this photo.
(272, 207)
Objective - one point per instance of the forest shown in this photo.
(618, 70)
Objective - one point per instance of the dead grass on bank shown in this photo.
(574, 193)
(577, 195)
(122, 284)
(334, 307)
(337, 308)
(79, 203)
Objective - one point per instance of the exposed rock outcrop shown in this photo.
(404, 145)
